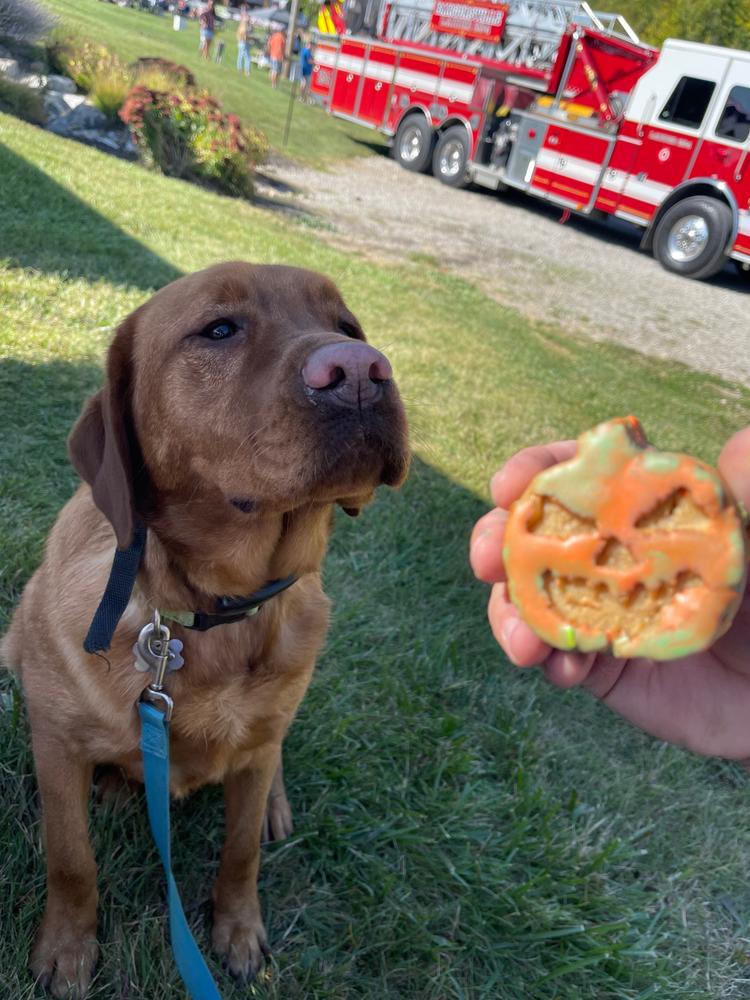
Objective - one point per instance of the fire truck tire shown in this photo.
(691, 237)
(451, 156)
(412, 147)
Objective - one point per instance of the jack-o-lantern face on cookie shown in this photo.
(626, 547)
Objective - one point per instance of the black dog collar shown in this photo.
(229, 609)
(122, 576)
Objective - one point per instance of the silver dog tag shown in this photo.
(149, 654)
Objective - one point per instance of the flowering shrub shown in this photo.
(187, 135)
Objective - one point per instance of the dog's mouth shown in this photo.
(363, 446)
(335, 452)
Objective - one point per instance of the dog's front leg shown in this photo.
(238, 932)
(65, 949)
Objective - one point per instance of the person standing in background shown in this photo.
(243, 40)
(306, 68)
(276, 46)
(208, 28)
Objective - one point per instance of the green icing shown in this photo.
(567, 637)
(737, 567)
(659, 461)
(705, 474)
(580, 483)
(662, 645)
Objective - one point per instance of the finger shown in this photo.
(509, 482)
(486, 547)
(566, 670)
(734, 465)
(603, 675)
(522, 646)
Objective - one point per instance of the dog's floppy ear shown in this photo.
(101, 444)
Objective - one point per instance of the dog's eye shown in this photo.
(349, 329)
(221, 329)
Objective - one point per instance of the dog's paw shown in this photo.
(242, 943)
(63, 962)
(277, 822)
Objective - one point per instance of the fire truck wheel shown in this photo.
(412, 146)
(692, 235)
(451, 156)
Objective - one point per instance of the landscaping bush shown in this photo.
(83, 62)
(110, 86)
(24, 20)
(187, 135)
(22, 102)
(154, 67)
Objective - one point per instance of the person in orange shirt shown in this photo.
(276, 46)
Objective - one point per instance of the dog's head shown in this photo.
(251, 384)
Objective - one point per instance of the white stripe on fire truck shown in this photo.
(650, 192)
(569, 166)
(460, 93)
(744, 223)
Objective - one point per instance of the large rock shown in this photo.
(73, 101)
(61, 84)
(33, 81)
(10, 68)
(85, 116)
(55, 106)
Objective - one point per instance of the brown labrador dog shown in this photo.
(240, 405)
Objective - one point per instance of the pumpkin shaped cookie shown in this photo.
(626, 548)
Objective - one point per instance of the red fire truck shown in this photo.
(563, 102)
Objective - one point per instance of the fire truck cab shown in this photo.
(575, 111)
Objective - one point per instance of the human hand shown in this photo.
(701, 702)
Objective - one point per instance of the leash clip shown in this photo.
(152, 653)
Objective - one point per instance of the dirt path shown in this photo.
(586, 276)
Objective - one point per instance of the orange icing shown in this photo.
(616, 481)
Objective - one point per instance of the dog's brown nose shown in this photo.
(349, 373)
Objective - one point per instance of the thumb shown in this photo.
(734, 465)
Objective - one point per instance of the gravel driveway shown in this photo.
(585, 275)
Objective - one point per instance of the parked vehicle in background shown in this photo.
(563, 102)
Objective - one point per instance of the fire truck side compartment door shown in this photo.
(664, 134)
(724, 153)
(523, 155)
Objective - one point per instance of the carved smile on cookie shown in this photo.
(625, 547)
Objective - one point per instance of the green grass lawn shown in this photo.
(315, 137)
(462, 830)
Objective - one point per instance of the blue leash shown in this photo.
(155, 746)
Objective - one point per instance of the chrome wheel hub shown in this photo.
(687, 238)
(451, 158)
(411, 144)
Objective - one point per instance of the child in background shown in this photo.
(306, 68)
(243, 40)
(208, 28)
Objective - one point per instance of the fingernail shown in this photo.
(506, 633)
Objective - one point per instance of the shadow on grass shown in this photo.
(38, 405)
(46, 227)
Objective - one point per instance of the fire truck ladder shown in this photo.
(531, 35)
